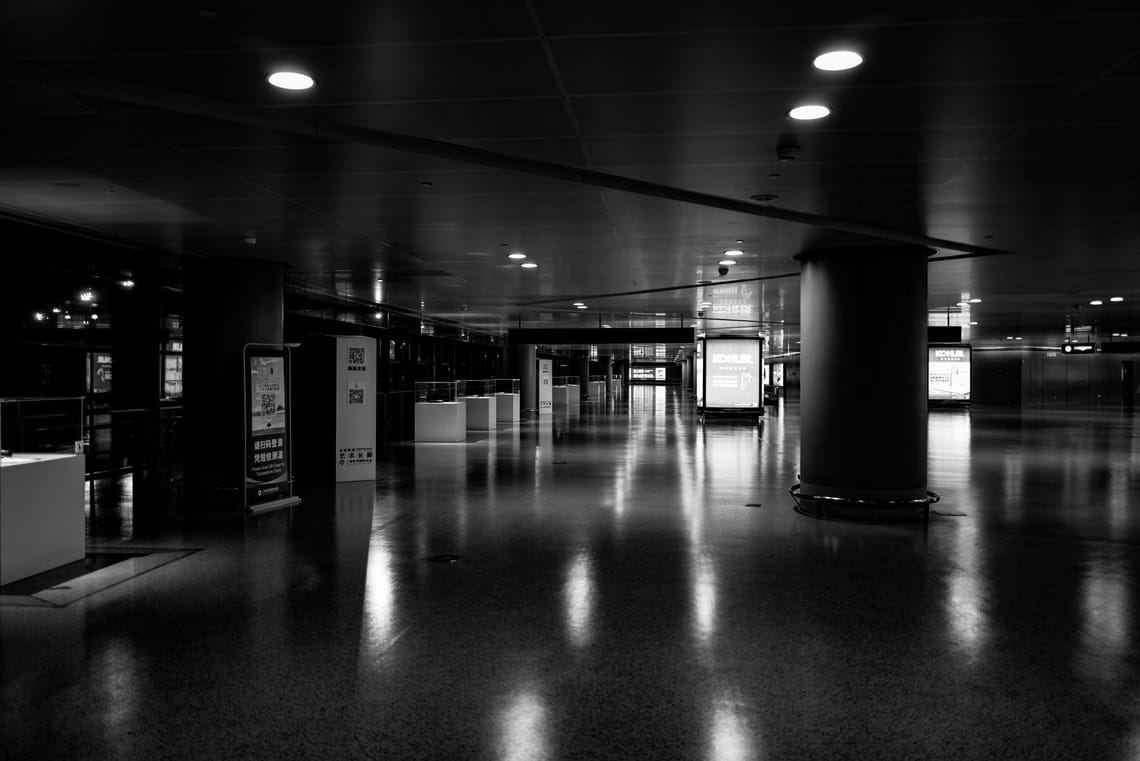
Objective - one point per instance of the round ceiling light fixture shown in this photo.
(726, 262)
(1095, 303)
(581, 306)
(809, 112)
(1117, 298)
(528, 265)
(516, 255)
(733, 252)
(290, 80)
(975, 301)
(837, 60)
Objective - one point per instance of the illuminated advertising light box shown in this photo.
(700, 370)
(732, 373)
(948, 373)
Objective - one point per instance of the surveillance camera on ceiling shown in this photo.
(723, 270)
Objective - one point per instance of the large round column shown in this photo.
(228, 303)
(863, 382)
(523, 365)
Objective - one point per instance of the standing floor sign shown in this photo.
(732, 374)
(268, 476)
(545, 386)
(948, 373)
(355, 408)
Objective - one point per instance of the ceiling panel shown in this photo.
(973, 122)
(181, 25)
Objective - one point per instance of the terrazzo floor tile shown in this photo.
(631, 582)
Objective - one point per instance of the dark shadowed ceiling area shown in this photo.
(619, 145)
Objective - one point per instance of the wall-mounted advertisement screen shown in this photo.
(732, 373)
(948, 373)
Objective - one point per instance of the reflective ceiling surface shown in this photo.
(581, 133)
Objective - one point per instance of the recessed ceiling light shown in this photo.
(579, 304)
(86, 296)
(975, 301)
(1095, 302)
(974, 323)
(127, 283)
(1009, 338)
(516, 255)
(528, 265)
(582, 306)
(963, 303)
(1117, 298)
(39, 316)
(726, 262)
(55, 310)
(809, 112)
(733, 252)
(94, 317)
(1017, 338)
(290, 80)
(379, 315)
(837, 60)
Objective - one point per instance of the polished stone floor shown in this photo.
(631, 583)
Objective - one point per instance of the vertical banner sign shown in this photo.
(355, 408)
(733, 374)
(948, 371)
(545, 387)
(267, 437)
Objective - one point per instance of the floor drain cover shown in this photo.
(754, 504)
(560, 462)
(443, 559)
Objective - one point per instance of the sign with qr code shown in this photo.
(267, 433)
(356, 359)
(355, 437)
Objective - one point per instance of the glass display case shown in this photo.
(565, 380)
(436, 392)
(42, 470)
(440, 414)
(506, 385)
(41, 425)
(475, 387)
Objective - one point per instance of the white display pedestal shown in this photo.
(598, 391)
(560, 394)
(480, 413)
(507, 408)
(441, 421)
(41, 514)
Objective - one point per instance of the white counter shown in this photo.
(441, 421)
(41, 513)
(480, 413)
(507, 408)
